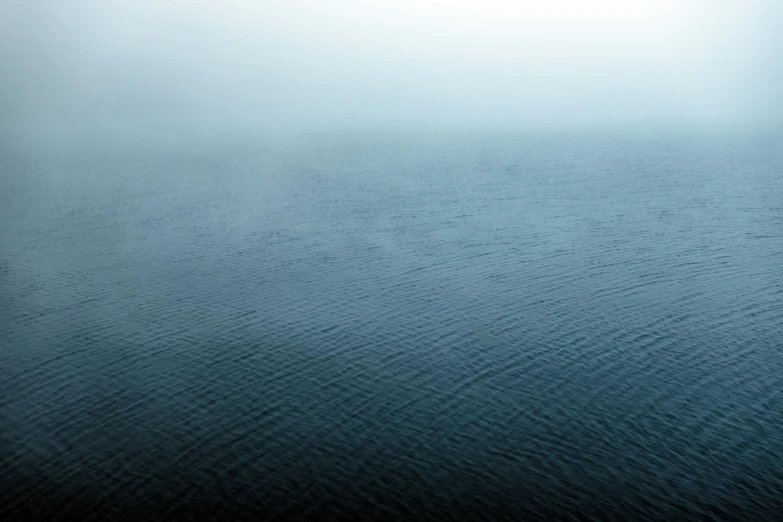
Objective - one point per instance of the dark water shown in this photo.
(445, 327)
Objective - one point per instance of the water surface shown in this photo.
(430, 326)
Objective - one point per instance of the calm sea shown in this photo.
(386, 326)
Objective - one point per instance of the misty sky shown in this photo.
(391, 63)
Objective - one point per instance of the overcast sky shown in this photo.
(270, 64)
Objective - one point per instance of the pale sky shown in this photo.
(271, 64)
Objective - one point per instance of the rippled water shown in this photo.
(405, 327)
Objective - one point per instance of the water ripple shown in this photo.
(472, 329)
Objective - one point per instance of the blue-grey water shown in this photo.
(404, 327)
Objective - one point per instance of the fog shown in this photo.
(141, 66)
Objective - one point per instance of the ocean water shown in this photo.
(444, 327)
